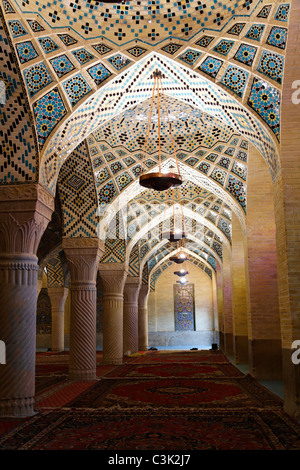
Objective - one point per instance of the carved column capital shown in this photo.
(25, 211)
(131, 290)
(83, 255)
(113, 276)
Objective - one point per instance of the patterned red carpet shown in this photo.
(194, 400)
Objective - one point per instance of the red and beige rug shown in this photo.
(193, 400)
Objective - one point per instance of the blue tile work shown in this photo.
(225, 226)
(124, 23)
(242, 156)
(35, 26)
(76, 88)
(48, 111)
(245, 54)
(16, 28)
(265, 100)
(235, 79)
(123, 180)
(118, 61)
(62, 65)
(134, 262)
(136, 51)
(116, 167)
(238, 189)
(221, 105)
(192, 161)
(186, 133)
(102, 48)
(129, 161)
(190, 56)
(277, 37)
(271, 65)
(19, 153)
(255, 32)
(7, 7)
(26, 51)
(217, 247)
(36, 77)
(212, 157)
(218, 175)
(211, 66)
(102, 176)
(115, 251)
(67, 39)
(78, 196)
(236, 29)
(282, 13)
(171, 48)
(240, 170)
(224, 162)
(48, 45)
(204, 167)
(265, 11)
(55, 273)
(107, 193)
(83, 56)
(99, 73)
(224, 47)
(205, 41)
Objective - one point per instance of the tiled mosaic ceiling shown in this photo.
(181, 84)
(191, 129)
(18, 146)
(78, 195)
(223, 169)
(65, 68)
(147, 20)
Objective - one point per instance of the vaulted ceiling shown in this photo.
(83, 75)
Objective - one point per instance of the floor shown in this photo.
(275, 387)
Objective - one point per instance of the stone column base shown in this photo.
(265, 359)
(82, 375)
(17, 407)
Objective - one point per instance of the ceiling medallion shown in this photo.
(159, 181)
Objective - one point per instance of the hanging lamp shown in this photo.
(183, 280)
(159, 181)
(181, 273)
(180, 256)
(178, 230)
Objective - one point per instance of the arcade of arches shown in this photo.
(83, 264)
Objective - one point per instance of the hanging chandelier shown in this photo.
(177, 230)
(159, 181)
(181, 273)
(183, 280)
(180, 256)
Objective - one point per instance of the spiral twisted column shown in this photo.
(113, 276)
(143, 317)
(25, 212)
(130, 329)
(58, 297)
(83, 256)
